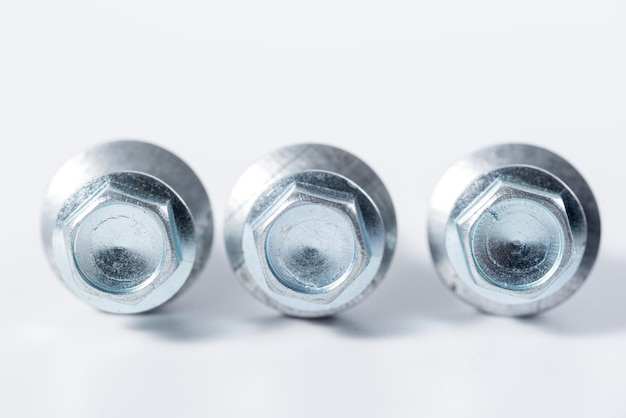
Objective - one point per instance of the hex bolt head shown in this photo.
(514, 229)
(310, 230)
(126, 225)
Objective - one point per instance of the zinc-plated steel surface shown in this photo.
(126, 225)
(514, 229)
(310, 230)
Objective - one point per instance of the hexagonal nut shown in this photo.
(311, 242)
(516, 239)
(121, 238)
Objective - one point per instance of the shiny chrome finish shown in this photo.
(310, 230)
(514, 229)
(126, 225)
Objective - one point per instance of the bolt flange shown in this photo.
(310, 230)
(514, 229)
(126, 225)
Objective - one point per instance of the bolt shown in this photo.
(126, 225)
(310, 230)
(514, 229)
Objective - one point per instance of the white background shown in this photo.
(408, 86)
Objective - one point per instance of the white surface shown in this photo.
(409, 87)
